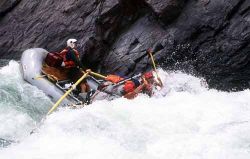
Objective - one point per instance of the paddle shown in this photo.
(114, 84)
(127, 79)
(156, 48)
(97, 75)
(67, 93)
(60, 100)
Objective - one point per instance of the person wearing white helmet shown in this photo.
(70, 55)
(71, 43)
(72, 64)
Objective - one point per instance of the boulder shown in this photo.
(166, 10)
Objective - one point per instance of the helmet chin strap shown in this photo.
(72, 45)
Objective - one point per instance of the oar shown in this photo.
(152, 59)
(114, 84)
(156, 48)
(94, 73)
(97, 75)
(67, 93)
(60, 100)
(127, 79)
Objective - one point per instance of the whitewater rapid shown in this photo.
(184, 120)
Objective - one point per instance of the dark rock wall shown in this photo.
(208, 38)
(218, 34)
(6, 6)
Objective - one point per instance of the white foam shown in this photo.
(185, 120)
(21, 104)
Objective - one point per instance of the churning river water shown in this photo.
(184, 120)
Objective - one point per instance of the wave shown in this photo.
(183, 120)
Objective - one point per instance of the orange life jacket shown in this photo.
(68, 63)
(113, 78)
(127, 87)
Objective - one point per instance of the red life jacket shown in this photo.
(129, 86)
(148, 75)
(68, 63)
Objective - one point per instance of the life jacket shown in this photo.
(113, 78)
(129, 86)
(120, 90)
(148, 75)
(68, 63)
(148, 89)
(53, 59)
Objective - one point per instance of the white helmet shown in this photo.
(71, 43)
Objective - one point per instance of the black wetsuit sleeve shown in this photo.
(71, 56)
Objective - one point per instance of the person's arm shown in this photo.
(147, 87)
(74, 58)
(134, 93)
(130, 95)
(62, 55)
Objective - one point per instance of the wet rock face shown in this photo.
(218, 34)
(127, 54)
(166, 10)
(208, 38)
(7, 5)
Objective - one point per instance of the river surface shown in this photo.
(184, 120)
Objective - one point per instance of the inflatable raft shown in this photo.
(35, 72)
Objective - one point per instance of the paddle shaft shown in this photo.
(98, 75)
(67, 93)
(127, 79)
(153, 62)
(152, 59)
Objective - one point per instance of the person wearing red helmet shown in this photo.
(132, 88)
(149, 82)
(129, 89)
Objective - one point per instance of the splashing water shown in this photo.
(21, 105)
(184, 120)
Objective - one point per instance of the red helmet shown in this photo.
(148, 75)
(129, 86)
